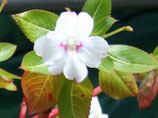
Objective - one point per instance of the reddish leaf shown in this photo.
(148, 90)
(41, 91)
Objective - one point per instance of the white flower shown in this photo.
(95, 109)
(70, 48)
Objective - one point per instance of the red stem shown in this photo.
(54, 113)
(35, 116)
(97, 91)
(23, 109)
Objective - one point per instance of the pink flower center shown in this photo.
(71, 47)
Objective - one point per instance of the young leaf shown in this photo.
(11, 87)
(155, 53)
(103, 25)
(148, 90)
(33, 63)
(6, 80)
(74, 99)
(41, 91)
(131, 59)
(6, 51)
(6, 75)
(36, 23)
(7, 84)
(100, 10)
(118, 84)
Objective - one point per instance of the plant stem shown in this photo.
(97, 91)
(2, 5)
(125, 28)
(23, 109)
(54, 113)
(35, 116)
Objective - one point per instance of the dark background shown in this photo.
(144, 20)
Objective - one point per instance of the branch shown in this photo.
(23, 109)
(125, 28)
(97, 91)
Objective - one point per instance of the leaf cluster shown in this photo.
(116, 73)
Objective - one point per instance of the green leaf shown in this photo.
(7, 84)
(6, 80)
(36, 23)
(11, 87)
(118, 84)
(106, 65)
(100, 10)
(155, 53)
(6, 75)
(33, 63)
(41, 91)
(75, 98)
(6, 51)
(131, 59)
(103, 25)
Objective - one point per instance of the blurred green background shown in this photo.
(145, 36)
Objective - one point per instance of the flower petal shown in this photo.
(97, 43)
(57, 67)
(65, 23)
(53, 54)
(95, 106)
(75, 69)
(39, 45)
(89, 57)
(104, 116)
(95, 109)
(56, 37)
(48, 47)
(84, 24)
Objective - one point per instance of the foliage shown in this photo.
(74, 99)
(118, 84)
(41, 91)
(116, 73)
(36, 23)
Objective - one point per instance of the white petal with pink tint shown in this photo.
(84, 24)
(57, 67)
(70, 48)
(75, 69)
